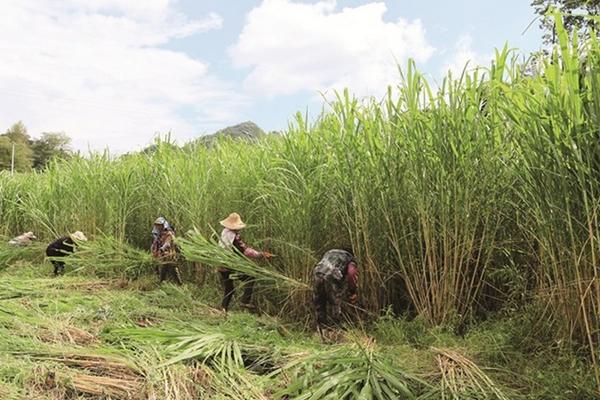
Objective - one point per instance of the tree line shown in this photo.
(31, 153)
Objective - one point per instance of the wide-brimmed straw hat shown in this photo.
(233, 222)
(78, 237)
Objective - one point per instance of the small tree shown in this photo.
(575, 12)
(16, 135)
(50, 145)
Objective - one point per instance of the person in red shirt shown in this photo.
(335, 279)
(231, 239)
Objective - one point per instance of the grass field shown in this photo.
(471, 206)
(80, 336)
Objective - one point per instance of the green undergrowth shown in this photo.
(84, 337)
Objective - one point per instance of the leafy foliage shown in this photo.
(349, 373)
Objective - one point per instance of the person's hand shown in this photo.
(353, 299)
(267, 255)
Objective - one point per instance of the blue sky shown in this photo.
(115, 73)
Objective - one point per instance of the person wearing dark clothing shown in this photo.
(63, 247)
(165, 249)
(335, 279)
(231, 239)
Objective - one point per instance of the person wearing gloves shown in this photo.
(165, 249)
(22, 240)
(231, 239)
(335, 279)
(63, 247)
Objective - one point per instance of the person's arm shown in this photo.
(352, 279)
(154, 248)
(67, 246)
(246, 250)
(168, 242)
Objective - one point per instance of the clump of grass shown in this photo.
(10, 290)
(357, 372)
(461, 378)
(176, 381)
(236, 385)
(11, 254)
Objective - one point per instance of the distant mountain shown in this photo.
(245, 131)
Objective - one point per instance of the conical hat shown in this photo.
(78, 237)
(233, 222)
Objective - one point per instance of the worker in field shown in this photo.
(335, 280)
(63, 247)
(165, 249)
(23, 240)
(231, 239)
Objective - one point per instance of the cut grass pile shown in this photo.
(79, 337)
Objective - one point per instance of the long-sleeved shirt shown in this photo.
(60, 247)
(232, 240)
(164, 245)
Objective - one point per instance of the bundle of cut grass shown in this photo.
(95, 363)
(358, 372)
(8, 290)
(216, 349)
(461, 378)
(177, 382)
(107, 387)
(96, 375)
(196, 247)
(236, 384)
(108, 257)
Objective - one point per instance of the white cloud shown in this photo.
(98, 70)
(464, 56)
(293, 47)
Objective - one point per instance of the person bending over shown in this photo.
(335, 279)
(63, 247)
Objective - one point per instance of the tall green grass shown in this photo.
(434, 188)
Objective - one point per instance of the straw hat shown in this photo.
(78, 237)
(160, 221)
(233, 222)
(29, 235)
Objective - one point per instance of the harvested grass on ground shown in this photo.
(93, 374)
(9, 254)
(354, 372)
(461, 378)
